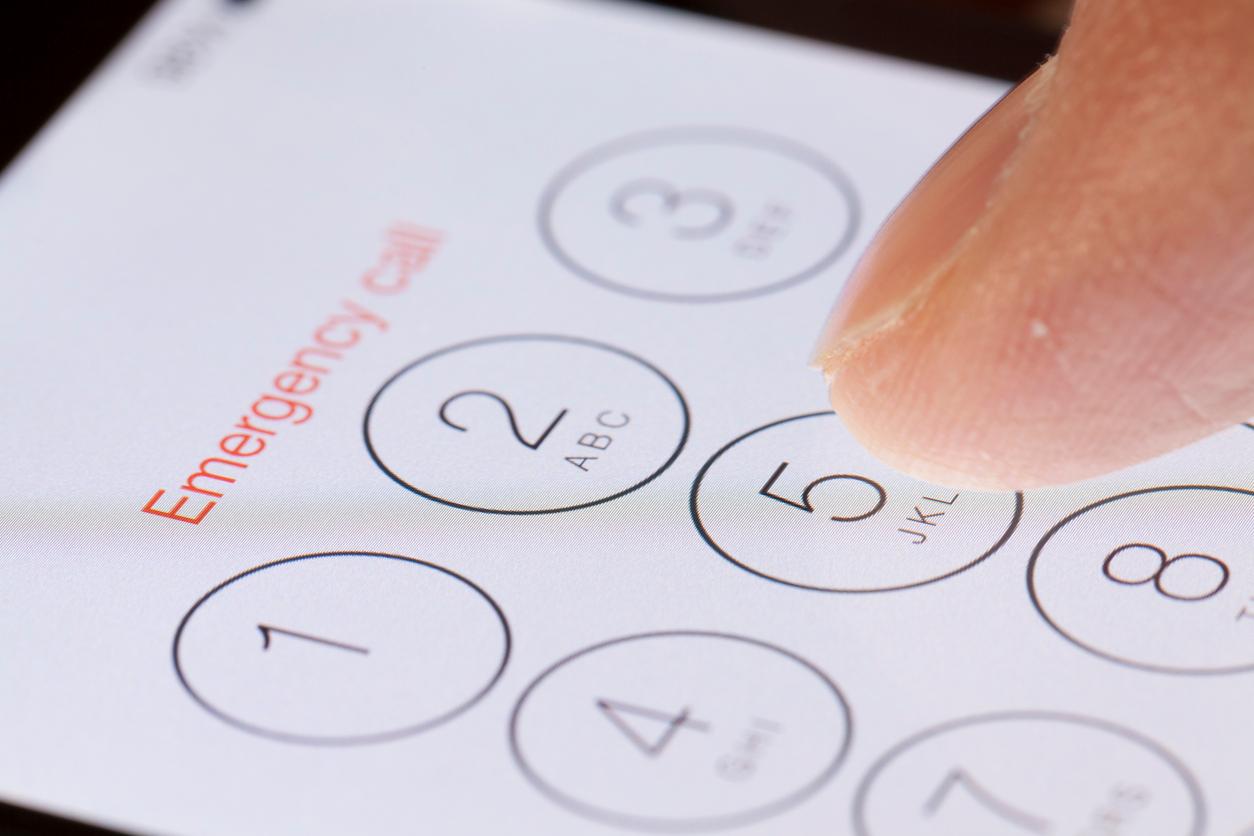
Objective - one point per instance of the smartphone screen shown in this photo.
(407, 428)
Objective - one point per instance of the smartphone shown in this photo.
(407, 429)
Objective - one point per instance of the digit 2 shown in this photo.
(509, 414)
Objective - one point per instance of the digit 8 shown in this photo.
(1163, 564)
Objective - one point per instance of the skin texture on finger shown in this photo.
(1071, 289)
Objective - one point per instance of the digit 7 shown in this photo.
(1001, 809)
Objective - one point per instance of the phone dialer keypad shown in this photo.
(1171, 561)
(699, 214)
(1028, 773)
(341, 648)
(680, 730)
(527, 424)
(800, 502)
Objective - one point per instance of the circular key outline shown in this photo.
(674, 388)
(1110, 657)
(349, 740)
(709, 538)
(717, 135)
(1194, 788)
(711, 823)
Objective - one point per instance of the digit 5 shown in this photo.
(881, 496)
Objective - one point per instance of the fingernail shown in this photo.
(911, 249)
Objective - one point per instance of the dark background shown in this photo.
(47, 48)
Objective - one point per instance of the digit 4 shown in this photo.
(619, 712)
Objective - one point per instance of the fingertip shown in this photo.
(1067, 293)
